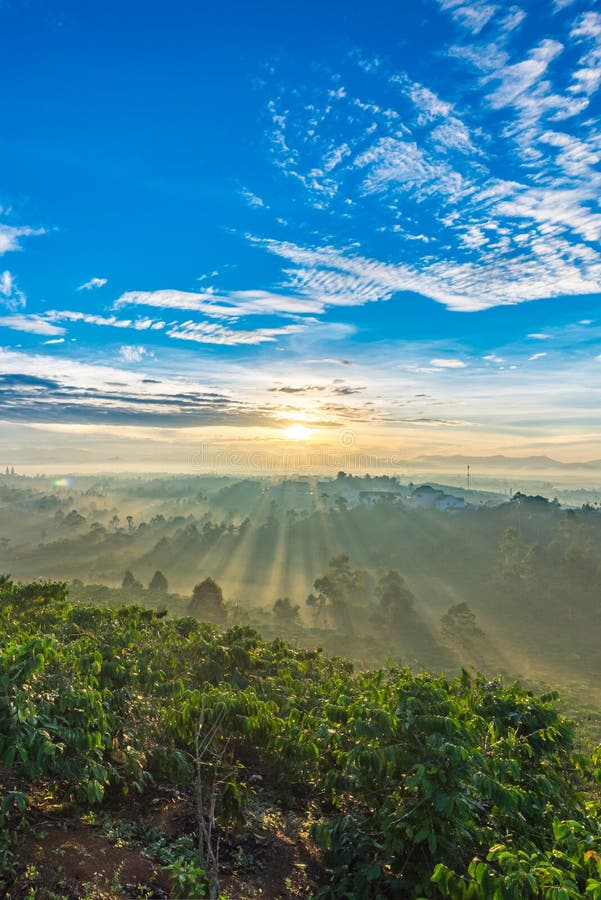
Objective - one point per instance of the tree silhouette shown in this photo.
(130, 583)
(284, 610)
(158, 583)
(207, 602)
(459, 623)
(334, 590)
(395, 598)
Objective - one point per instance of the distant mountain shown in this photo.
(513, 463)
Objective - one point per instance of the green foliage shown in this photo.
(418, 786)
(188, 879)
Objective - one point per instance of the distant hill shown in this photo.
(500, 462)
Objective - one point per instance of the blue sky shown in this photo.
(380, 217)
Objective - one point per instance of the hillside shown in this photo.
(144, 755)
(528, 569)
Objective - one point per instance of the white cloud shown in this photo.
(517, 79)
(403, 164)
(223, 306)
(537, 356)
(330, 361)
(419, 168)
(472, 16)
(514, 18)
(92, 283)
(132, 353)
(55, 341)
(68, 315)
(539, 336)
(429, 105)
(10, 234)
(213, 333)
(587, 31)
(492, 357)
(342, 279)
(10, 294)
(473, 237)
(253, 199)
(554, 207)
(444, 363)
(453, 135)
(30, 323)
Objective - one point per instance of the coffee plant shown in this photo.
(418, 785)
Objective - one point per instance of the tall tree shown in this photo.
(158, 583)
(460, 624)
(335, 589)
(395, 598)
(207, 602)
(130, 583)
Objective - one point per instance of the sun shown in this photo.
(298, 432)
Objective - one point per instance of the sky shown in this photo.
(380, 221)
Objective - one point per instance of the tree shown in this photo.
(207, 602)
(335, 588)
(158, 583)
(130, 583)
(285, 611)
(515, 567)
(459, 622)
(73, 519)
(395, 598)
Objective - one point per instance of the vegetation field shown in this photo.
(145, 755)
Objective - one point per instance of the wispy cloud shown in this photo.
(330, 361)
(68, 315)
(447, 363)
(472, 16)
(337, 387)
(252, 199)
(213, 333)
(223, 306)
(92, 283)
(30, 323)
(587, 33)
(203, 332)
(338, 278)
(518, 79)
(558, 5)
(132, 353)
(503, 188)
(10, 235)
(10, 294)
